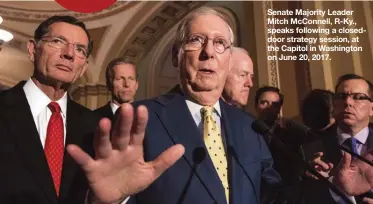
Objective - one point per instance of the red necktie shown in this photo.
(54, 147)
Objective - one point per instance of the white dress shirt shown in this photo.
(195, 110)
(38, 102)
(362, 137)
(114, 107)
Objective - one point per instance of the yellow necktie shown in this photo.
(215, 147)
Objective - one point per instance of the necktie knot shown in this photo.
(351, 144)
(54, 107)
(207, 111)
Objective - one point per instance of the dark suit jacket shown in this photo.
(290, 170)
(24, 172)
(193, 179)
(329, 146)
(105, 112)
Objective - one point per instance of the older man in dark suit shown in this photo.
(38, 122)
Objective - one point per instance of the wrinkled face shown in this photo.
(124, 83)
(351, 103)
(205, 69)
(59, 55)
(239, 81)
(269, 106)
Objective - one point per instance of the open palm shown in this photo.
(118, 169)
(354, 176)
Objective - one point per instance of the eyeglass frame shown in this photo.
(352, 96)
(62, 39)
(204, 44)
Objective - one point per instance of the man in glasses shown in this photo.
(39, 122)
(352, 109)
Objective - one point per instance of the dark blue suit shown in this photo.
(193, 179)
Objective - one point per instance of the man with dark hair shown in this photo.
(121, 81)
(268, 104)
(39, 124)
(353, 107)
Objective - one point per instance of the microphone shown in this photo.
(355, 155)
(261, 128)
(308, 135)
(199, 154)
(298, 126)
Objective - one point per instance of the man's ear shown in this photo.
(31, 49)
(371, 109)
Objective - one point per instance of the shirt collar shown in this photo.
(114, 107)
(361, 136)
(195, 110)
(38, 100)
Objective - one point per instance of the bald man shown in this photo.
(240, 79)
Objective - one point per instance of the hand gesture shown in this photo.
(118, 169)
(322, 167)
(354, 176)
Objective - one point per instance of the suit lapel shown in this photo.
(233, 147)
(73, 136)
(108, 112)
(182, 129)
(22, 127)
(370, 139)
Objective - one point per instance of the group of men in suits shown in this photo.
(352, 107)
(56, 151)
(43, 131)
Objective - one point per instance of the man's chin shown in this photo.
(203, 87)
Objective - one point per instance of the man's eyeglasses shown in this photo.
(354, 96)
(196, 42)
(60, 43)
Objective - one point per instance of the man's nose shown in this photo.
(207, 51)
(349, 101)
(249, 82)
(68, 52)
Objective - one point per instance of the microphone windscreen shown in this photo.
(260, 127)
(199, 155)
(296, 125)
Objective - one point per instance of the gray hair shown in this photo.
(240, 49)
(181, 32)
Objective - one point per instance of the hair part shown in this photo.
(43, 28)
(109, 74)
(264, 89)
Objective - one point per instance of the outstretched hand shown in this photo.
(354, 176)
(118, 169)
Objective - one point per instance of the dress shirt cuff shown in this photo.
(89, 199)
(338, 199)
